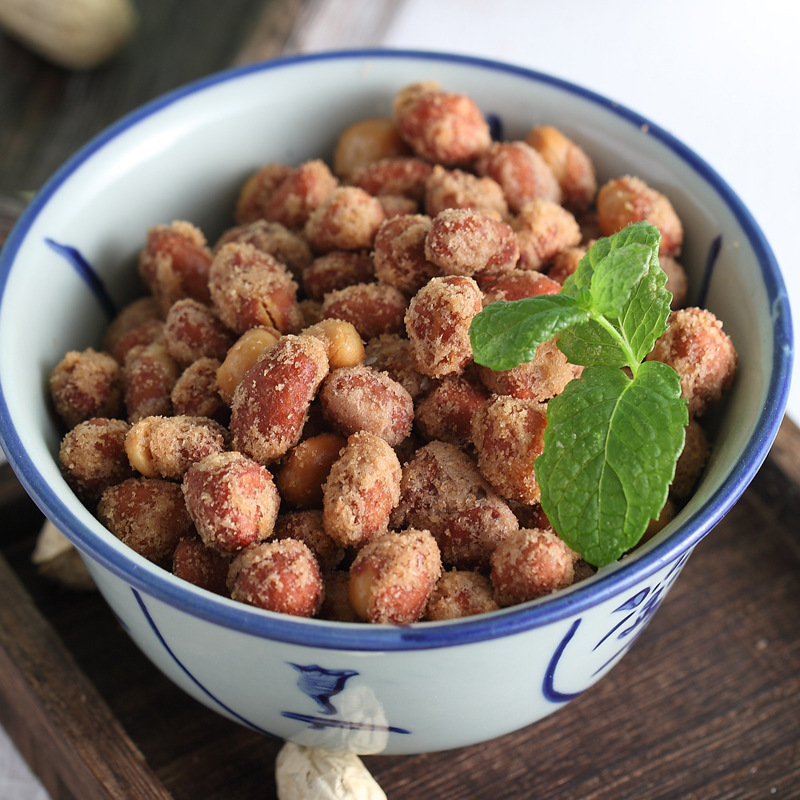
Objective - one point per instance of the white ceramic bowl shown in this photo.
(364, 688)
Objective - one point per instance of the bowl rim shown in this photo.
(154, 582)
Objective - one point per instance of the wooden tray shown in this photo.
(706, 705)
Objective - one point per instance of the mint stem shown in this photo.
(627, 350)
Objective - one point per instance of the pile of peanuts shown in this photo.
(292, 416)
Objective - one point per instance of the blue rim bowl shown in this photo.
(690, 527)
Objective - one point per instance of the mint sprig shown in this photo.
(613, 436)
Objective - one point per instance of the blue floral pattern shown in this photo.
(636, 610)
(321, 684)
(86, 271)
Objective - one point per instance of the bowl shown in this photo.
(364, 688)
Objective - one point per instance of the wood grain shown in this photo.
(47, 113)
(60, 722)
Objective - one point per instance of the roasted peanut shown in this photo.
(628, 199)
(288, 247)
(399, 253)
(307, 526)
(174, 263)
(201, 565)
(192, 331)
(437, 323)
(455, 188)
(544, 229)
(373, 308)
(365, 142)
(515, 285)
(508, 435)
(249, 287)
(398, 175)
(521, 172)
(299, 193)
(346, 219)
(460, 593)
(257, 190)
(92, 456)
(279, 576)
(242, 355)
(572, 168)
(541, 378)
(342, 340)
(165, 447)
(301, 477)
(86, 384)
(147, 514)
(149, 375)
(270, 405)
(446, 412)
(530, 564)
(363, 486)
(444, 127)
(393, 577)
(691, 462)
(130, 317)
(361, 399)
(699, 350)
(466, 242)
(195, 393)
(232, 501)
(336, 270)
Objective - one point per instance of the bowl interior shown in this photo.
(186, 155)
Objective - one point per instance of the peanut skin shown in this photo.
(270, 404)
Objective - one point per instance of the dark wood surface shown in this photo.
(47, 113)
(706, 705)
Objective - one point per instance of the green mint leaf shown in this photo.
(641, 232)
(589, 344)
(637, 233)
(619, 279)
(581, 279)
(505, 334)
(615, 276)
(610, 449)
(645, 316)
(611, 441)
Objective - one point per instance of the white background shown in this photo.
(722, 76)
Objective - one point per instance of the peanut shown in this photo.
(78, 34)
(306, 773)
(244, 353)
(345, 348)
